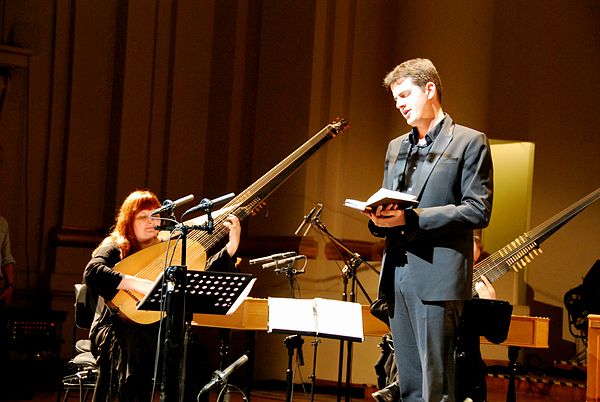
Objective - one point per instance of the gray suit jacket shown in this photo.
(455, 197)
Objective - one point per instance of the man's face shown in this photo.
(413, 102)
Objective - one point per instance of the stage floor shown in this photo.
(526, 392)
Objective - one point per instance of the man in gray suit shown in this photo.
(427, 266)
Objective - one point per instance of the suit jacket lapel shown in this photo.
(437, 149)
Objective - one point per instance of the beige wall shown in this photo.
(203, 97)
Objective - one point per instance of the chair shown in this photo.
(83, 367)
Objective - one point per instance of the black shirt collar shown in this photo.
(430, 136)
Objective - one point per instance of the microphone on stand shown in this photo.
(170, 205)
(283, 261)
(272, 257)
(220, 377)
(306, 222)
(206, 203)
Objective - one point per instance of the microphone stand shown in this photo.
(290, 273)
(348, 272)
(173, 381)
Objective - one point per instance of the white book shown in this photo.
(318, 317)
(383, 196)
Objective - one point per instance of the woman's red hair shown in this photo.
(123, 233)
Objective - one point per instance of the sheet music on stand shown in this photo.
(324, 318)
(206, 292)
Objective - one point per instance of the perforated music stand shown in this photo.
(206, 292)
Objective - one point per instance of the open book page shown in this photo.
(339, 319)
(360, 205)
(291, 316)
(383, 197)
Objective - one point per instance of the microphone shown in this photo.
(284, 261)
(207, 204)
(220, 377)
(170, 205)
(272, 257)
(305, 224)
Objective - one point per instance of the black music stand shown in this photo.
(206, 292)
(200, 292)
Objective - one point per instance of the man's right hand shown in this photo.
(387, 216)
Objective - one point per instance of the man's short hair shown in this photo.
(421, 71)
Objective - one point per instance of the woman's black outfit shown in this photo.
(125, 351)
